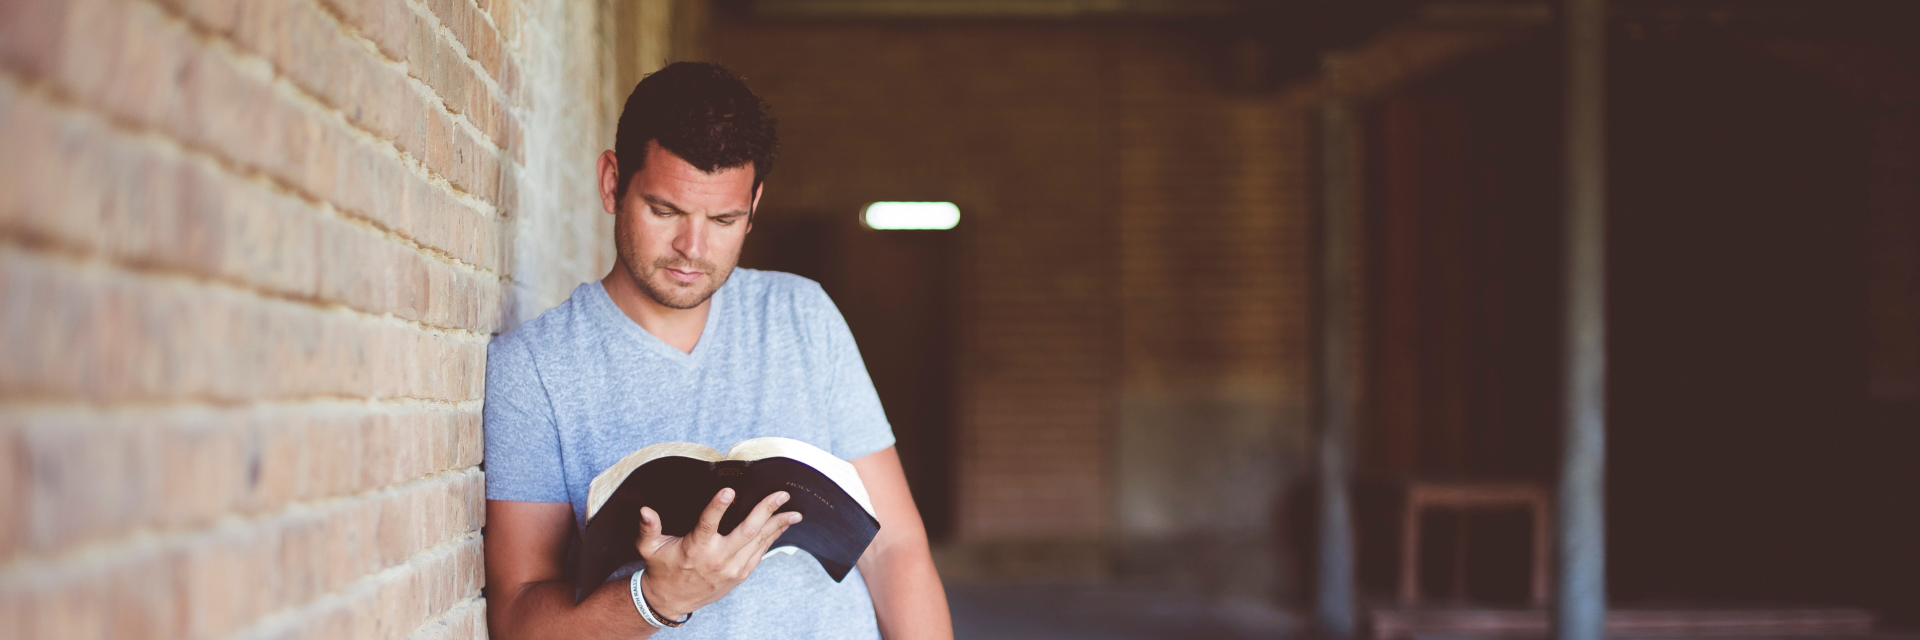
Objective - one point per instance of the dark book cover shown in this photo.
(835, 527)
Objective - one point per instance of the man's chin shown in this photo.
(674, 294)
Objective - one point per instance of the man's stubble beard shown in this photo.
(678, 297)
(675, 297)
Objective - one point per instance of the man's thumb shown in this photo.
(649, 528)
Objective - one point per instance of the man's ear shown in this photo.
(609, 167)
(753, 208)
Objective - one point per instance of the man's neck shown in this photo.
(679, 328)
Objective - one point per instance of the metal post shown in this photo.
(1336, 610)
(1580, 606)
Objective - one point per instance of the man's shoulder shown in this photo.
(556, 326)
(778, 292)
(774, 282)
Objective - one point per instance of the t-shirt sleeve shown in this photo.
(859, 421)
(523, 445)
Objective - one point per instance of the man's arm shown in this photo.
(528, 597)
(907, 594)
(527, 594)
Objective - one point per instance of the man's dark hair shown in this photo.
(701, 112)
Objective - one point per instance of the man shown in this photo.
(675, 344)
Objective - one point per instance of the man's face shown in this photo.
(679, 230)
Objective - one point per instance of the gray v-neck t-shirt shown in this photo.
(578, 388)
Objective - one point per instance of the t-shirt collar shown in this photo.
(612, 314)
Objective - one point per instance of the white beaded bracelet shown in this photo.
(646, 610)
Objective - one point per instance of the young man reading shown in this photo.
(675, 344)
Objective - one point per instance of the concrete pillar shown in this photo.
(1336, 611)
(1580, 604)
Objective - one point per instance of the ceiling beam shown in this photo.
(989, 9)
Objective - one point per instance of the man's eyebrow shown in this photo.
(660, 203)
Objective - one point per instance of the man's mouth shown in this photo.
(683, 276)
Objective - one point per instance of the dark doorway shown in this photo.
(1463, 330)
(1749, 462)
(894, 288)
(1745, 459)
(1464, 253)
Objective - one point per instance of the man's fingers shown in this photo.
(649, 531)
(757, 518)
(767, 535)
(710, 518)
(778, 525)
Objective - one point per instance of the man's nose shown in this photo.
(691, 238)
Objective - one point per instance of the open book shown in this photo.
(679, 479)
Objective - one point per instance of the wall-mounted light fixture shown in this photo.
(910, 215)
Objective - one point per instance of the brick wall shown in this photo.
(1215, 248)
(251, 252)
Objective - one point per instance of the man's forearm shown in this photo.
(545, 610)
(908, 597)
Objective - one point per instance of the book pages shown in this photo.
(604, 484)
(839, 471)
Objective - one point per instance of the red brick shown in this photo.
(117, 337)
(219, 582)
(474, 31)
(1209, 306)
(16, 485)
(397, 31)
(303, 42)
(466, 620)
(227, 581)
(224, 226)
(145, 601)
(103, 475)
(513, 92)
(160, 76)
(143, 204)
(328, 549)
(384, 22)
(30, 35)
(88, 483)
(312, 454)
(434, 61)
(395, 605)
(505, 16)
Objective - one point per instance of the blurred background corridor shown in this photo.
(1212, 255)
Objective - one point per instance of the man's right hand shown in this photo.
(685, 573)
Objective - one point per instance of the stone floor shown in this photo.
(1074, 611)
(1101, 612)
